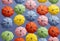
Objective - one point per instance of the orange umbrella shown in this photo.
(7, 11)
(19, 39)
(53, 31)
(31, 27)
(42, 10)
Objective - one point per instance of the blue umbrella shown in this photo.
(6, 22)
(53, 20)
(20, 1)
(30, 16)
(42, 39)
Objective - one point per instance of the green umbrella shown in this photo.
(19, 9)
(53, 1)
(7, 35)
(42, 32)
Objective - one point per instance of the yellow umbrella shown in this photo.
(19, 20)
(42, 1)
(53, 9)
(31, 37)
